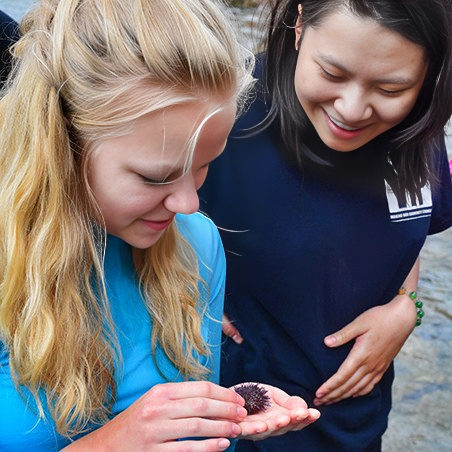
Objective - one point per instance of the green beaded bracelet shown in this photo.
(418, 303)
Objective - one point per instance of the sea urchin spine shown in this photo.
(256, 398)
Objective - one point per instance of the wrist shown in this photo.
(412, 295)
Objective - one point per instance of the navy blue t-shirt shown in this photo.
(307, 252)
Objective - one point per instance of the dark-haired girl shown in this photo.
(325, 195)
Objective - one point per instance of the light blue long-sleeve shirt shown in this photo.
(20, 427)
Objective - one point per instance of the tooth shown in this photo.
(342, 126)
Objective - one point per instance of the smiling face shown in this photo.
(356, 79)
(138, 179)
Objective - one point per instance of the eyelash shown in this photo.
(148, 181)
(390, 93)
(330, 76)
(165, 181)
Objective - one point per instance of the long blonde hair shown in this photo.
(85, 69)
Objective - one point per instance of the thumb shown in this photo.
(342, 336)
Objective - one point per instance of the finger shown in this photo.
(300, 421)
(368, 388)
(337, 385)
(290, 427)
(353, 392)
(361, 384)
(314, 415)
(198, 427)
(251, 428)
(231, 331)
(273, 426)
(294, 403)
(337, 382)
(279, 422)
(339, 393)
(364, 389)
(279, 425)
(207, 445)
(192, 389)
(344, 335)
(206, 408)
(304, 416)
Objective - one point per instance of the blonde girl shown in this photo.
(111, 283)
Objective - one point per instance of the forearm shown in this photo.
(411, 281)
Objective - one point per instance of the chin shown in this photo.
(345, 148)
(141, 243)
(341, 146)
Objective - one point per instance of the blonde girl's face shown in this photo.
(138, 179)
(356, 79)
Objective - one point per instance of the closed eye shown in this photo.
(149, 181)
(330, 76)
(391, 93)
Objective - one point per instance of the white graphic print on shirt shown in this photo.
(420, 209)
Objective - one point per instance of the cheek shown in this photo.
(105, 191)
(119, 202)
(396, 111)
(311, 88)
(300, 84)
(101, 179)
(136, 203)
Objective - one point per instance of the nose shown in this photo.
(184, 197)
(353, 104)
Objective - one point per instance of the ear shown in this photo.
(298, 28)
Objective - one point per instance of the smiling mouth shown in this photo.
(157, 225)
(341, 125)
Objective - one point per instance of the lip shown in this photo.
(157, 225)
(340, 132)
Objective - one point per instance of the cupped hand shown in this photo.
(379, 334)
(169, 412)
(284, 414)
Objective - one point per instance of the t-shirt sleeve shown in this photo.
(442, 195)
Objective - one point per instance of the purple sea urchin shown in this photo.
(256, 398)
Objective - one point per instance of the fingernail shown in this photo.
(223, 444)
(237, 338)
(242, 411)
(330, 340)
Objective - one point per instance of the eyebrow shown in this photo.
(397, 80)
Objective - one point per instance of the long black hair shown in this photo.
(412, 142)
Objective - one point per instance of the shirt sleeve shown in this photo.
(442, 195)
(205, 239)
